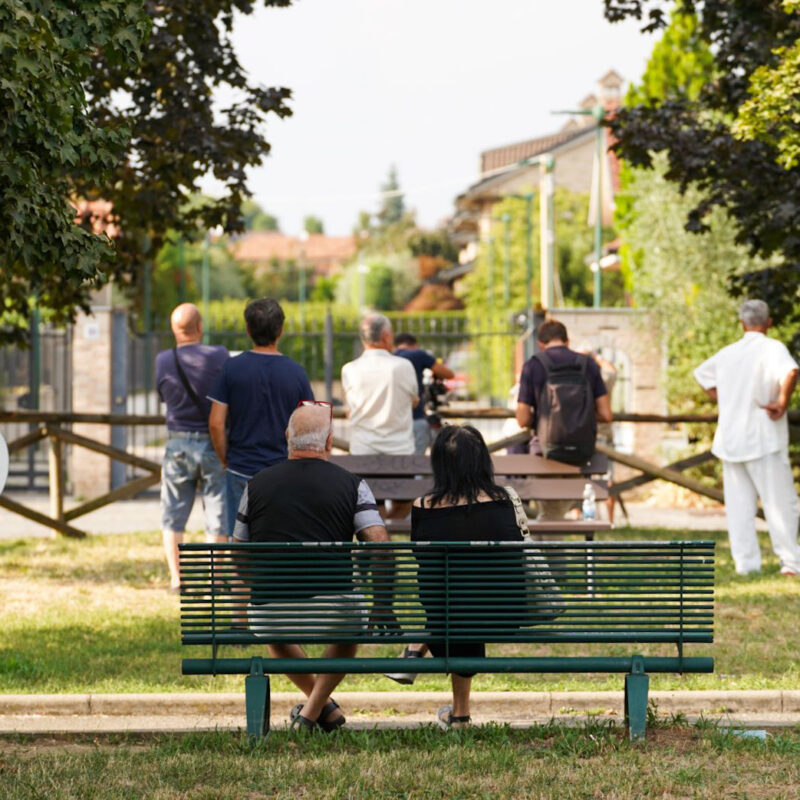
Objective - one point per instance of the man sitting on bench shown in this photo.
(308, 499)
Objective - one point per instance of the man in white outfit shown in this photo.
(380, 390)
(753, 380)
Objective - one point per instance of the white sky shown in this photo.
(424, 84)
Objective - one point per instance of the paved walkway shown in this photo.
(407, 709)
(143, 514)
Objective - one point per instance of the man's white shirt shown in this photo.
(747, 375)
(379, 389)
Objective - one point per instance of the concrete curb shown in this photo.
(400, 703)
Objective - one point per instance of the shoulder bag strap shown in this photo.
(519, 511)
(545, 360)
(188, 386)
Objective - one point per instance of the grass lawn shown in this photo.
(94, 616)
(543, 762)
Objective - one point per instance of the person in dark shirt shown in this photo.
(406, 347)
(308, 499)
(190, 462)
(552, 338)
(465, 505)
(254, 397)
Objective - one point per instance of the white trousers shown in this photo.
(770, 478)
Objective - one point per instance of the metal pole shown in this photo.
(507, 267)
(491, 272)
(181, 271)
(148, 335)
(206, 285)
(328, 355)
(599, 116)
(529, 266)
(35, 359)
(34, 383)
(302, 299)
(547, 232)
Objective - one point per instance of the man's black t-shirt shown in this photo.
(304, 500)
(533, 378)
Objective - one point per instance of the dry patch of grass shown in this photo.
(595, 761)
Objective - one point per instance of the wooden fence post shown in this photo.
(56, 469)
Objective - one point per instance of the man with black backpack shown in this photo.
(561, 398)
(185, 374)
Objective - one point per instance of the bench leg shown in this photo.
(637, 685)
(256, 699)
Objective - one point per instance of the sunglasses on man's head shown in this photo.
(322, 403)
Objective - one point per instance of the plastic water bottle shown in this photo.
(589, 508)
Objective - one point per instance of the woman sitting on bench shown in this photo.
(465, 505)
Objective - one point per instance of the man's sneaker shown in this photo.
(406, 678)
(788, 572)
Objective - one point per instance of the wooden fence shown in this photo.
(51, 426)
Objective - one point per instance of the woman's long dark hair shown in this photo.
(462, 467)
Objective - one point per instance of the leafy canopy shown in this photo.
(96, 112)
(574, 243)
(772, 113)
(47, 133)
(745, 177)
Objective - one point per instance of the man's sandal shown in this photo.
(322, 720)
(448, 722)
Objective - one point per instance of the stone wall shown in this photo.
(628, 336)
(90, 473)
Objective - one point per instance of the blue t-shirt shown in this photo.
(202, 365)
(261, 391)
(420, 360)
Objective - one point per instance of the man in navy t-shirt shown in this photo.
(184, 375)
(406, 347)
(552, 337)
(256, 394)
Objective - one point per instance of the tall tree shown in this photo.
(178, 136)
(679, 66)
(744, 177)
(255, 218)
(47, 133)
(393, 205)
(772, 112)
(312, 224)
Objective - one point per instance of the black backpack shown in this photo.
(566, 423)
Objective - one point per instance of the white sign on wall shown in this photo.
(91, 330)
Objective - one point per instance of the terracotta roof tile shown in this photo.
(324, 253)
(512, 153)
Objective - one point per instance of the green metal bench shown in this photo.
(601, 593)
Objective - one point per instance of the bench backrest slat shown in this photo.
(548, 592)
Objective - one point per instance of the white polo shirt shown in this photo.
(379, 389)
(747, 375)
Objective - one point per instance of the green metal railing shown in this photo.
(554, 592)
(496, 592)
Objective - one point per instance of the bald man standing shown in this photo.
(185, 374)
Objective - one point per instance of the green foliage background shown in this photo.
(47, 53)
(574, 243)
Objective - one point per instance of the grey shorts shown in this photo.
(338, 614)
(423, 436)
(191, 466)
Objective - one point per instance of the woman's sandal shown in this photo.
(300, 724)
(322, 720)
(446, 720)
